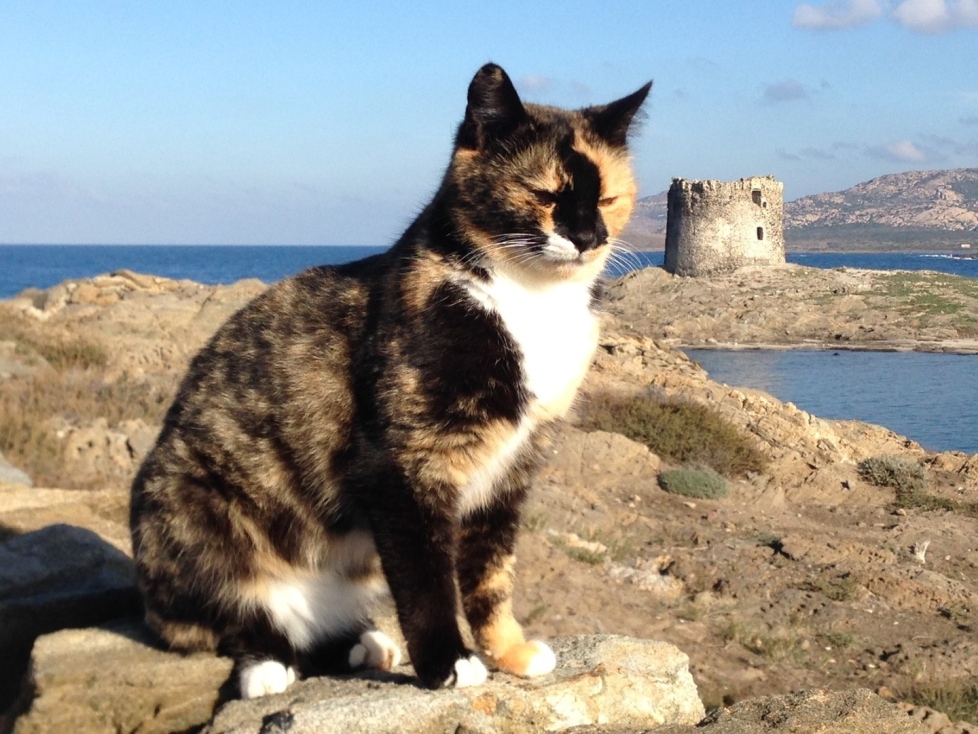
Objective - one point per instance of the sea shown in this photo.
(41, 266)
(931, 398)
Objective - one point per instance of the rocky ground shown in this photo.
(804, 577)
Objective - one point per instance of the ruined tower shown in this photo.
(718, 226)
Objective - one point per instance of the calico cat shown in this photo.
(375, 426)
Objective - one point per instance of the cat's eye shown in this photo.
(545, 198)
(607, 201)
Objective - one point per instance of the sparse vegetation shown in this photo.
(700, 482)
(903, 475)
(680, 431)
(909, 482)
(838, 640)
(31, 407)
(956, 698)
(776, 645)
(837, 588)
(60, 351)
(74, 391)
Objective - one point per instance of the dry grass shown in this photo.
(956, 698)
(67, 386)
(680, 431)
(61, 351)
(31, 407)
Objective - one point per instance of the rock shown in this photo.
(57, 577)
(809, 712)
(105, 512)
(113, 679)
(10, 474)
(607, 680)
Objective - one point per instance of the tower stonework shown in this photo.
(717, 226)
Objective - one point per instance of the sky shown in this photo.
(289, 122)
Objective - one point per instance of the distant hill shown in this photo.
(647, 228)
(916, 210)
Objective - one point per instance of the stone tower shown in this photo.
(718, 226)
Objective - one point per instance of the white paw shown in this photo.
(468, 672)
(543, 661)
(265, 678)
(375, 650)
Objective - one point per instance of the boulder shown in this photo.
(113, 679)
(605, 680)
(59, 576)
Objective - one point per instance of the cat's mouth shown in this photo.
(561, 250)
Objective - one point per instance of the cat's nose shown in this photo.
(585, 241)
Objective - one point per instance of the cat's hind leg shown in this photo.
(264, 660)
(360, 648)
(375, 650)
(485, 569)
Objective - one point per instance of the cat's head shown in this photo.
(539, 191)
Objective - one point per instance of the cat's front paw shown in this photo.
(265, 678)
(527, 659)
(461, 670)
(375, 650)
(467, 672)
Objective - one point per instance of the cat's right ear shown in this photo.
(494, 109)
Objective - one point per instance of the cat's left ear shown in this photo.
(494, 109)
(612, 121)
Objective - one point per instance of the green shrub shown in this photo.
(678, 430)
(701, 483)
(893, 471)
(909, 481)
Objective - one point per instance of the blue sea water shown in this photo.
(41, 266)
(931, 398)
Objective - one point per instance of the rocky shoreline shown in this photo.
(793, 598)
(795, 307)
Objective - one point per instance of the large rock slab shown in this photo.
(114, 679)
(606, 680)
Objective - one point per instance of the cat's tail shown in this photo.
(182, 636)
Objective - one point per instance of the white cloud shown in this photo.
(901, 150)
(836, 14)
(937, 16)
(919, 16)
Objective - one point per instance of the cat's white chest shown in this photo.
(556, 333)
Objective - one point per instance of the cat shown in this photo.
(374, 427)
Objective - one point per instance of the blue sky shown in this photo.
(331, 123)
